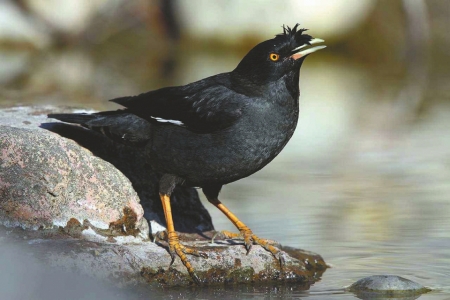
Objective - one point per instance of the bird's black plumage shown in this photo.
(219, 129)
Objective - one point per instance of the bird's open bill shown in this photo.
(307, 51)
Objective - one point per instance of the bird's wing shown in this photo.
(203, 109)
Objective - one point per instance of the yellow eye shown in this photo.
(274, 56)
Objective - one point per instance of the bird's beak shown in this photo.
(298, 54)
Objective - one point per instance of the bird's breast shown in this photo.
(227, 155)
(268, 132)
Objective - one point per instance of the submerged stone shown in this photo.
(387, 286)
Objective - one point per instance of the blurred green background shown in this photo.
(365, 181)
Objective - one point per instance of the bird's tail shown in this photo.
(73, 118)
(119, 125)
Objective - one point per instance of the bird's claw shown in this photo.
(280, 257)
(164, 236)
(250, 239)
(195, 278)
(245, 234)
(178, 249)
(172, 257)
(160, 236)
(181, 251)
(268, 245)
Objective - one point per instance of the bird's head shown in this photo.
(277, 57)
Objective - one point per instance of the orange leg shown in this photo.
(175, 247)
(246, 233)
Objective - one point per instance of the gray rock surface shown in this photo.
(46, 180)
(131, 263)
(387, 285)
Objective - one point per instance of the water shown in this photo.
(360, 183)
(392, 232)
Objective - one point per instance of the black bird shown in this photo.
(216, 130)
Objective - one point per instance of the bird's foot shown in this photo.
(178, 249)
(245, 234)
(249, 239)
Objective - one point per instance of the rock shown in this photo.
(46, 181)
(82, 203)
(38, 165)
(387, 286)
(26, 277)
(128, 264)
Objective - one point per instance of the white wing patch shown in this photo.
(161, 120)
